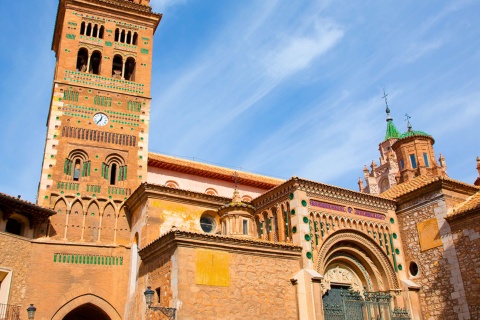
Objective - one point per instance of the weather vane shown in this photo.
(407, 118)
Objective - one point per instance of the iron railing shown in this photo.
(9, 312)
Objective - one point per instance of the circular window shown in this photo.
(207, 224)
(413, 268)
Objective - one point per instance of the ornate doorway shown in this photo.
(87, 311)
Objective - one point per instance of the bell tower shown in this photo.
(97, 129)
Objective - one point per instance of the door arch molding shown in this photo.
(97, 301)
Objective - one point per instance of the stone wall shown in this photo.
(259, 288)
(466, 237)
(434, 269)
(15, 254)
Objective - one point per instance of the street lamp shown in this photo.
(169, 312)
(31, 312)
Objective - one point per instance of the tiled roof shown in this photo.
(392, 132)
(417, 183)
(414, 133)
(473, 203)
(211, 171)
(23, 205)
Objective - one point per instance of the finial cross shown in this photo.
(385, 95)
(407, 118)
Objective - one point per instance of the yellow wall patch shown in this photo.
(429, 234)
(212, 268)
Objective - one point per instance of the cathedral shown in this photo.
(119, 232)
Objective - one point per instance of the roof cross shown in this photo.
(386, 102)
(407, 118)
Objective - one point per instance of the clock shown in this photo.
(100, 119)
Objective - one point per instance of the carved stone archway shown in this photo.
(361, 256)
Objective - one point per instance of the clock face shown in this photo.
(100, 119)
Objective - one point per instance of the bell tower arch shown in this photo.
(97, 129)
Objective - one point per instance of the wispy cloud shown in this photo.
(297, 53)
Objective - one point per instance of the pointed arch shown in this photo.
(108, 223)
(84, 299)
(123, 228)
(75, 221)
(92, 221)
(59, 220)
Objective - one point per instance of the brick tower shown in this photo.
(97, 131)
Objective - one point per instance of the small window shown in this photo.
(413, 161)
(402, 165)
(245, 226)
(413, 269)
(113, 173)
(157, 291)
(425, 158)
(207, 224)
(76, 170)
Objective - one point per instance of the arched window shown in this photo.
(130, 69)
(13, 226)
(171, 184)
(89, 30)
(82, 28)
(122, 36)
(101, 31)
(211, 192)
(95, 31)
(114, 169)
(117, 35)
(77, 165)
(82, 60)
(117, 66)
(129, 37)
(95, 62)
(135, 37)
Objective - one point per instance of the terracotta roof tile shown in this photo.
(472, 203)
(417, 183)
(212, 171)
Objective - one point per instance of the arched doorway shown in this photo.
(359, 281)
(87, 311)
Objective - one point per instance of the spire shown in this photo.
(392, 132)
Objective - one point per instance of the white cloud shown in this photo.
(297, 53)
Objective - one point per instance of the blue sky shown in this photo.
(283, 88)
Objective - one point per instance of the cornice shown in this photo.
(148, 190)
(326, 192)
(211, 171)
(113, 8)
(179, 238)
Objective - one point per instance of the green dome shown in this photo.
(414, 133)
(392, 132)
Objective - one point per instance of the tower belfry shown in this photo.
(97, 130)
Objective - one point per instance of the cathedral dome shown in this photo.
(413, 133)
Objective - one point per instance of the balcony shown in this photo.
(9, 312)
